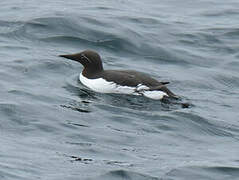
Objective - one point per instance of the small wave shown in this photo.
(14, 113)
(77, 107)
(82, 43)
(9, 26)
(204, 172)
(228, 80)
(140, 20)
(233, 65)
(123, 174)
(221, 13)
(202, 125)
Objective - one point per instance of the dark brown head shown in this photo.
(89, 59)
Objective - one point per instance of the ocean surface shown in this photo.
(54, 128)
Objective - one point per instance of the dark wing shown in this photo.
(164, 89)
(134, 78)
(130, 78)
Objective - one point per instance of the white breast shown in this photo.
(103, 86)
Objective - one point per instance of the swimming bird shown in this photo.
(132, 82)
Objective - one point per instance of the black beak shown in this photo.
(74, 57)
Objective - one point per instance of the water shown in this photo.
(52, 127)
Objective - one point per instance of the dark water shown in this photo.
(52, 127)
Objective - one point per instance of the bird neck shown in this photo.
(91, 72)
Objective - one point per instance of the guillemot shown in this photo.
(117, 81)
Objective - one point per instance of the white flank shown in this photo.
(157, 95)
(103, 86)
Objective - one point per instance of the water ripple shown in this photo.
(123, 174)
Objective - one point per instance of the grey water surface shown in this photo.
(54, 128)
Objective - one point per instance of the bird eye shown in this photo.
(85, 58)
(82, 56)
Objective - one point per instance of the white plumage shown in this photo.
(103, 86)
